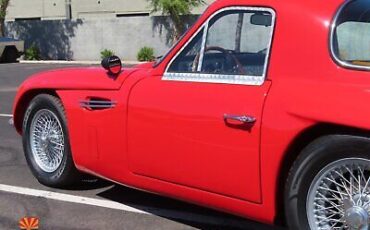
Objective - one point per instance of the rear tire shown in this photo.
(322, 189)
(46, 142)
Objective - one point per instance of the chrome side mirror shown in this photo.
(113, 64)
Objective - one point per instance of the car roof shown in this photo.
(279, 3)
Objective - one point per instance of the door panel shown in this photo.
(176, 127)
(177, 133)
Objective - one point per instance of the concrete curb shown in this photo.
(74, 62)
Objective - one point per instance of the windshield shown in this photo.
(351, 37)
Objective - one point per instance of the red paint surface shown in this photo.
(170, 137)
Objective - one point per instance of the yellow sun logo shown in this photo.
(29, 223)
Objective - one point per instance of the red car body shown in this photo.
(170, 137)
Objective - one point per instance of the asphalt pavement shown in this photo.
(95, 204)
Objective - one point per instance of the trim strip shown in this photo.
(221, 78)
(94, 104)
(215, 78)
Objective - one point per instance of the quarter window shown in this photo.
(233, 46)
(351, 35)
(185, 62)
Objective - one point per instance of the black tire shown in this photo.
(10, 54)
(313, 159)
(66, 174)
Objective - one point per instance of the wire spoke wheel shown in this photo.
(339, 196)
(47, 140)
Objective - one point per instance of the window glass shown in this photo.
(351, 41)
(237, 43)
(187, 61)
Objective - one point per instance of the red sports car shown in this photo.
(260, 110)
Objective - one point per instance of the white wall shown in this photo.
(94, 27)
(44, 9)
(84, 39)
(56, 9)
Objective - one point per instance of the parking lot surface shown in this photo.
(95, 204)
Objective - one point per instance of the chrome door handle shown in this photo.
(243, 119)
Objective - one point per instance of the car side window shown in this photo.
(351, 35)
(237, 43)
(232, 46)
(186, 61)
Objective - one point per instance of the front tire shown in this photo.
(329, 185)
(46, 142)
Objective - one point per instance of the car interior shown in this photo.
(220, 60)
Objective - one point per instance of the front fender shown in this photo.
(66, 79)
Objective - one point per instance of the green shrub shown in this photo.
(106, 53)
(146, 54)
(32, 53)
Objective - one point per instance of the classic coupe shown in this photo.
(260, 110)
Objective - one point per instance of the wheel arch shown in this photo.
(296, 146)
(23, 102)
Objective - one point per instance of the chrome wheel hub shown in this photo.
(47, 140)
(339, 196)
(356, 217)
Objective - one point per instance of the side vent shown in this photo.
(97, 104)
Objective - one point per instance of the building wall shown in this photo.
(80, 9)
(34, 9)
(108, 8)
(84, 39)
(123, 26)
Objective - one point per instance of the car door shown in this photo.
(199, 124)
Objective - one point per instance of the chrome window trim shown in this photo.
(215, 78)
(332, 33)
(203, 47)
(222, 78)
